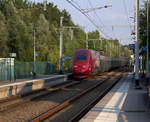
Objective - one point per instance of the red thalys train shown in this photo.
(87, 62)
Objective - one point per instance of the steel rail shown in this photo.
(66, 103)
(11, 98)
(26, 100)
(21, 98)
(82, 112)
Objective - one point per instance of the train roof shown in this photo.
(102, 56)
(82, 50)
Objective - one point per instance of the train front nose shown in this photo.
(80, 69)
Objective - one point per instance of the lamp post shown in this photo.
(87, 40)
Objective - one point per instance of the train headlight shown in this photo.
(75, 66)
(84, 66)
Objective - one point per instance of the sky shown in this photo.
(121, 13)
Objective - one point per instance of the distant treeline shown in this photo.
(19, 18)
(143, 25)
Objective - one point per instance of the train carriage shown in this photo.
(87, 62)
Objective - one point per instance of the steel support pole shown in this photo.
(87, 41)
(147, 66)
(99, 40)
(34, 72)
(61, 44)
(111, 48)
(10, 69)
(137, 46)
(94, 44)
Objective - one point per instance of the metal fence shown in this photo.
(11, 69)
(25, 69)
(6, 68)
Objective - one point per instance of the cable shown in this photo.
(95, 12)
(76, 3)
(98, 16)
(87, 16)
(127, 16)
(114, 32)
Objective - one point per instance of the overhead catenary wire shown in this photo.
(101, 22)
(100, 29)
(81, 9)
(76, 4)
(125, 7)
(87, 16)
(100, 18)
(95, 12)
(96, 15)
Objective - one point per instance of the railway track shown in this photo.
(62, 108)
(14, 101)
(36, 106)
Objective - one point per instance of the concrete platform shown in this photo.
(24, 86)
(123, 103)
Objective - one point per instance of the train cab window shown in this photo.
(81, 58)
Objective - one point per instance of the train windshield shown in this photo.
(81, 58)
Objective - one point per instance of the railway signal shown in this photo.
(132, 46)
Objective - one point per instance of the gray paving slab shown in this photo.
(123, 103)
(108, 109)
(136, 106)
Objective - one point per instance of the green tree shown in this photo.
(43, 39)
(3, 36)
